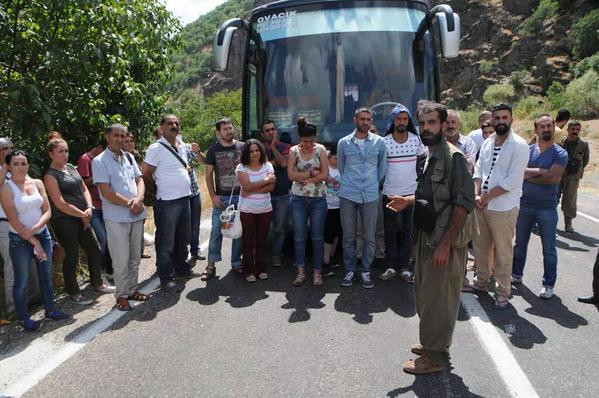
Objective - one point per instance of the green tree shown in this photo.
(584, 34)
(73, 65)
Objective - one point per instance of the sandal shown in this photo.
(389, 274)
(317, 279)
(407, 276)
(299, 279)
(122, 304)
(501, 301)
(138, 296)
(209, 273)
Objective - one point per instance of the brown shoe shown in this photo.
(422, 365)
(417, 349)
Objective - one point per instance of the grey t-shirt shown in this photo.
(69, 184)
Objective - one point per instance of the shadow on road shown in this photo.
(575, 236)
(444, 384)
(395, 294)
(553, 308)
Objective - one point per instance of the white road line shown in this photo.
(40, 358)
(588, 217)
(513, 376)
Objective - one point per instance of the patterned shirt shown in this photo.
(311, 190)
(191, 158)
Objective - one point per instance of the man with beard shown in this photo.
(456, 138)
(538, 205)
(498, 179)
(404, 152)
(221, 160)
(165, 164)
(443, 199)
(362, 165)
(578, 158)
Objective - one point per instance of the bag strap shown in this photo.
(232, 189)
(171, 150)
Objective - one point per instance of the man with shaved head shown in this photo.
(455, 137)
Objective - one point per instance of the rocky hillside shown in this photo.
(500, 38)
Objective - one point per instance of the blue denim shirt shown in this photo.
(361, 172)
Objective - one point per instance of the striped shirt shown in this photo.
(255, 203)
(496, 150)
(401, 165)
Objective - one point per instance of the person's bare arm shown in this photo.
(324, 169)
(46, 211)
(216, 202)
(266, 189)
(293, 173)
(280, 159)
(548, 177)
(443, 250)
(399, 203)
(251, 187)
(56, 197)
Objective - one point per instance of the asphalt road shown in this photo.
(228, 338)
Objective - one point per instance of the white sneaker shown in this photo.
(546, 293)
(516, 279)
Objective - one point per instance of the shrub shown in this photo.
(470, 119)
(582, 96)
(555, 94)
(496, 93)
(585, 64)
(584, 35)
(530, 107)
(486, 66)
(518, 78)
(534, 23)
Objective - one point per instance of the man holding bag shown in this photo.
(222, 159)
(171, 209)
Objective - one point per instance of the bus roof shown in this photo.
(295, 3)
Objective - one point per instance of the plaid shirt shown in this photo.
(191, 161)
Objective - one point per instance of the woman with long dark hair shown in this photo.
(26, 206)
(308, 168)
(71, 220)
(257, 179)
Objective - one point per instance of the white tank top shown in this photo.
(29, 207)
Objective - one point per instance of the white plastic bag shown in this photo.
(230, 223)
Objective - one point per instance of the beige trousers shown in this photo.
(494, 248)
(569, 196)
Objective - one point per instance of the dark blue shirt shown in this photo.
(538, 196)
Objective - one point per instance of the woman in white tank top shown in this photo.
(26, 206)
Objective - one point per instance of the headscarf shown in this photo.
(394, 113)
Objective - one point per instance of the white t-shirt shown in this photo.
(361, 143)
(172, 179)
(401, 165)
(333, 184)
(255, 203)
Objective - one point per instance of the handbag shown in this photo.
(230, 219)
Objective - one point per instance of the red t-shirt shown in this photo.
(84, 167)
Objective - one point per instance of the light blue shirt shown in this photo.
(361, 170)
(121, 176)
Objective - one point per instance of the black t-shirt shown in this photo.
(225, 159)
(69, 185)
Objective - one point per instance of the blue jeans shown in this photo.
(99, 228)
(21, 254)
(349, 214)
(280, 211)
(304, 208)
(216, 238)
(195, 205)
(547, 221)
(173, 226)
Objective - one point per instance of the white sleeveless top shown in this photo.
(29, 207)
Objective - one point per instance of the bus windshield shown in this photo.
(324, 64)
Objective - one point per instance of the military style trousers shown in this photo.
(437, 295)
(569, 195)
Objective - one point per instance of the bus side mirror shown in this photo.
(222, 42)
(450, 40)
